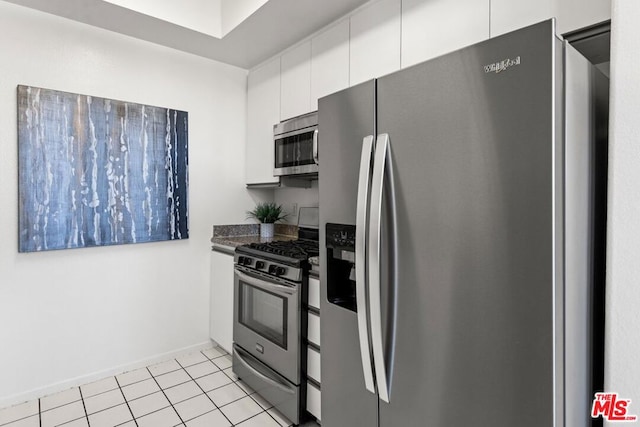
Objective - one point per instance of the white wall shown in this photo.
(622, 370)
(303, 197)
(75, 315)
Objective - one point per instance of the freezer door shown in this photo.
(345, 119)
(474, 149)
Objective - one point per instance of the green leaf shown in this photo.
(267, 212)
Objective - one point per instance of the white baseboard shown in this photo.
(85, 379)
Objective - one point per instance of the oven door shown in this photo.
(267, 321)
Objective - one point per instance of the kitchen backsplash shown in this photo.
(301, 197)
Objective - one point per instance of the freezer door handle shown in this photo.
(382, 183)
(361, 272)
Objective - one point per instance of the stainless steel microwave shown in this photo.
(296, 146)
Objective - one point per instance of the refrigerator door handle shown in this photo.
(382, 177)
(361, 247)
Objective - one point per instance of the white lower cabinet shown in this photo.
(221, 317)
(313, 333)
(313, 401)
(313, 364)
(314, 293)
(314, 375)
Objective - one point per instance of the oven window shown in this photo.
(265, 313)
(296, 150)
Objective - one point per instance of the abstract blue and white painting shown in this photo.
(96, 172)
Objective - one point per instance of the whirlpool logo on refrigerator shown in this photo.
(500, 66)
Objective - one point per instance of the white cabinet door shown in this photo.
(263, 111)
(329, 62)
(221, 326)
(375, 41)
(313, 365)
(314, 293)
(575, 14)
(314, 404)
(295, 81)
(313, 329)
(433, 28)
(510, 15)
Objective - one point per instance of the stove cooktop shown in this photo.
(298, 249)
(293, 252)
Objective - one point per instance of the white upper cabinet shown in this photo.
(510, 15)
(329, 62)
(433, 28)
(296, 81)
(375, 41)
(263, 111)
(575, 14)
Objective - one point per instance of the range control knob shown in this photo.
(247, 261)
(240, 260)
(259, 265)
(272, 269)
(280, 271)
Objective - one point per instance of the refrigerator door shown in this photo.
(475, 151)
(344, 122)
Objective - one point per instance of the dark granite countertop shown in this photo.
(227, 237)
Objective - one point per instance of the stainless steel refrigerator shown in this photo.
(459, 216)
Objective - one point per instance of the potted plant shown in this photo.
(267, 213)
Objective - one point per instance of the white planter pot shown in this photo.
(266, 231)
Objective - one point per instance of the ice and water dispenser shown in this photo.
(341, 267)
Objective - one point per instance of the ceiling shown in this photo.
(273, 27)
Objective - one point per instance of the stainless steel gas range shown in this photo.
(270, 322)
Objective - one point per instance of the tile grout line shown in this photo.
(248, 394)
(253, 416)
(205, 393)
(126, 402)
(86, 415)
(165, 394)
(120, 388)
(274, 418)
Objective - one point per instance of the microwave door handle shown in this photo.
(360, 247)
(263, 284)
(240, 355)
(382, 180)
(315, 146)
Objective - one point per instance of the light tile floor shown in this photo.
(194, 390)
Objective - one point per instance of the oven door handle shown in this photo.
(264, 284)
(241, 355)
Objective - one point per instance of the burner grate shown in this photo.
(296, 249)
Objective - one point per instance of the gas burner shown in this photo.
(296, 249)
